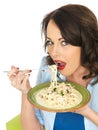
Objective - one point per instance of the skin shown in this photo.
(58, 50)
(20, 80)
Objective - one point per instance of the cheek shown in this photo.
(74, 58)
(71, 67)
(73, 63)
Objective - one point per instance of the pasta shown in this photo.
(58, 95)
(53, 69)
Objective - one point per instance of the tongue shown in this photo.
(61, 65)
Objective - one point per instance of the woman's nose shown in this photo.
(55, 51)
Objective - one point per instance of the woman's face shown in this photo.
(66, 56)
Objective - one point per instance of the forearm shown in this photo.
(20, 80)
(90, 114)
(28, 117)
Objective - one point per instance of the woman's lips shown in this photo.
(60, 65)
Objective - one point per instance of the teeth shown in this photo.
(60, 64)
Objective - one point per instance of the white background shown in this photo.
(21, 44)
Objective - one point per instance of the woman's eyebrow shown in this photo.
(59, 39)
(48, 38)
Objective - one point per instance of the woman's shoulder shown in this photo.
(44, 74)
(43, 61)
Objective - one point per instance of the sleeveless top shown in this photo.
(69, 121)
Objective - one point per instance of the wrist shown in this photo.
(24, 92)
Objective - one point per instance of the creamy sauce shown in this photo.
(63, 96)
(58, 95)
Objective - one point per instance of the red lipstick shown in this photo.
(60, 64)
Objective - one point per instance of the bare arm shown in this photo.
(20, 80)
(89, 113)
(28, 117)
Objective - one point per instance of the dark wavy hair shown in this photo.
(78, 26)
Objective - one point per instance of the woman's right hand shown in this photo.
(20, 79)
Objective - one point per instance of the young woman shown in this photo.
(71, 42)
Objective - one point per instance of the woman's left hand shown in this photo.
(82, 110)
(89, 113)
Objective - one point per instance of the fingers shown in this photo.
(26, 82)
(19, 78)
(82, 109)
(14, 70)
(16, 80)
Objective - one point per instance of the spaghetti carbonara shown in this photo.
(58, 95)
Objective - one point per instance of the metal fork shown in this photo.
(44, 70)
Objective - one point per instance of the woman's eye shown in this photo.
(64, 43)
(48, 43)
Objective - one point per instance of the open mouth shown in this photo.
(60, 65)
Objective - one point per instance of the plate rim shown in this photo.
(58, 110)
